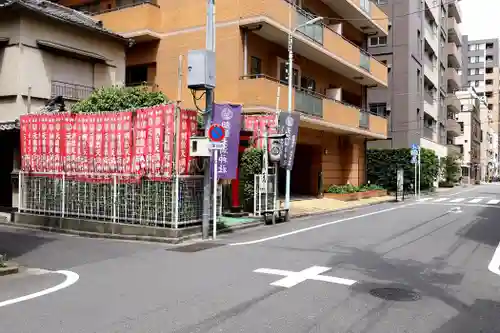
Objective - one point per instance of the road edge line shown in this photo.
(71, 278)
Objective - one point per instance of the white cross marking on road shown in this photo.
(476, 200)
(457, 200)
(440, 199)
(493, 202)
(424, 199)
(294, 278)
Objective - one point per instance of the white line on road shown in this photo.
(476, 200)
(457, 200)
(493, 202)
(262, 240)
(440, 199)
(312, 273)
(494, 265)
(71, 278)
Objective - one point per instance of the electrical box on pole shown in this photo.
(201, 69)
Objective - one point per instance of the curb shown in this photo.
(8, 270)
(87, 234)
(301, 215)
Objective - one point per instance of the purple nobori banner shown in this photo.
(229, 117)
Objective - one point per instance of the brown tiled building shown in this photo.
(331, 69)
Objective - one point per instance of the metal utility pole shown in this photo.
(209, 101)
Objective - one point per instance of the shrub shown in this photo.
(251, 164)
(119, 99)
(382, 166)
(450, 168)
(344, 189)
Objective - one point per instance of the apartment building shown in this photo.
(470, 139)
(423, 57)
(481, 70)
(332, 69)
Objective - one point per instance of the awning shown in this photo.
(70, 51)
(4, 41)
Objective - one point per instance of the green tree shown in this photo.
(450, 168)
(118, 98)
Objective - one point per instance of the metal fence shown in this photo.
(175, 203)
(265, 193)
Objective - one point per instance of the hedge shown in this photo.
(250, 164)
(382, 166)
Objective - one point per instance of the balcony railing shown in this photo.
(149, 86)
(364, 119)
(70, 91)
(428, 133)
(309, 103)
(364, 61)
(313, 31)
(95, 8)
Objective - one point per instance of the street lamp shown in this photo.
(290, 89)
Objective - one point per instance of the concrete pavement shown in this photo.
(414, 267)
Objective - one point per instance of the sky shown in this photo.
(480, 18)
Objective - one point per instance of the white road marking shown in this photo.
(424, 199)
(312, 273)
(455, 210)
(71, 278)
(317, 226)
(440, 199)
(494, 265)
(262, 240)
(476, 200)
(493, 202)
(457, 200)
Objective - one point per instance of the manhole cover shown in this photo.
(395, 294)
(196, 247)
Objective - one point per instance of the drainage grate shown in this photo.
(196, 247)
(395, 294)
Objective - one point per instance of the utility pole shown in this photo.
(209, 102)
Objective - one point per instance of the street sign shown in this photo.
(413, 159)
(215, 145)
(216, 133)
(414, 147)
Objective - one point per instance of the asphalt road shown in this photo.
(411, 267)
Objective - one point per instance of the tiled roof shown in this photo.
(61, 13)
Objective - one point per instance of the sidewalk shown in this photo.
(317, 206)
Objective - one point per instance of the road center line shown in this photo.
(262, 240)
(71, 278)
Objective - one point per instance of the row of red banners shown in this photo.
(107, 143)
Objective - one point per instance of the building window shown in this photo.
(379, 109)
(308, 83)
(135, 75)
(378, 41)
(418, 81)
(489, 70)
(489, 58)
(255, 66)
(475, 59)
(490, 106)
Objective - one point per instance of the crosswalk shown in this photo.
(478, 200)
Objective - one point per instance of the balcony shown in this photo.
(454, 33)
(140, 20)
(365, 15)
(454, 11)
(454, 55)
(453, 149)
(453, 103)
(453, 79)
(70, 91)
(429, 133)
(258, 93)
(270, 20)
(453, 128)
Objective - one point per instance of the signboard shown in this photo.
(288, 124)
(229, 118)
(414, 147)
(414, 159)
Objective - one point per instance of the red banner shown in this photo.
(188, 128)
(153, 154)
(257, 124)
